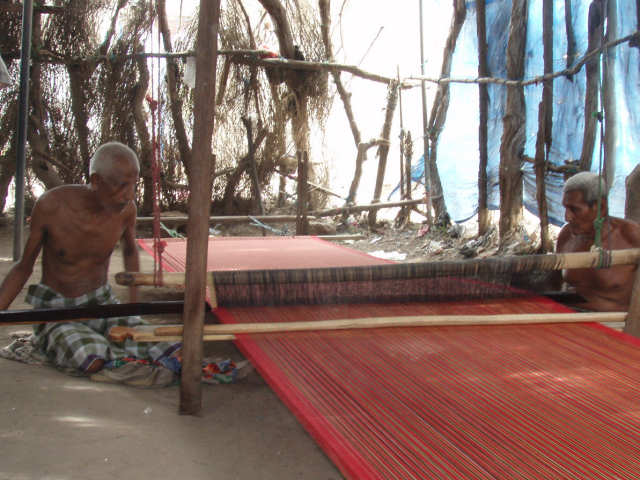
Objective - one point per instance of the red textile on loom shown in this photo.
(263, 253)
(472, 402)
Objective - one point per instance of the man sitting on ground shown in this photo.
(607, 289)
(77, 227)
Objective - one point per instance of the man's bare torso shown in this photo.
(77, 240)
(607, 289)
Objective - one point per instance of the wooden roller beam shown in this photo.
(511, 264)
(45, 315)
(408, 321)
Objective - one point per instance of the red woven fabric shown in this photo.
(261, 253)
(498, 402)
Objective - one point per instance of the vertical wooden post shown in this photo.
(632, 323)
(591, 95)
(383, 148)
(408, 154)
(253, 168)
(545, 124)
(609, 101)
(632, 201)
(483, 129)
(513, 125)
(21, 129)
(302, 223)
(571, 37)
(200, 181)
(425, 121)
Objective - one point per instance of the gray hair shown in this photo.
(590, 184)
(102, 160)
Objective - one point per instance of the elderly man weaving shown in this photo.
(77, 227)
(586, 212)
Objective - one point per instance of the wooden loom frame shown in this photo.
(528, 262)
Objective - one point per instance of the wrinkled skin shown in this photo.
(607, 289)
(77, 227)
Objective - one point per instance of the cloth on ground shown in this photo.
(77, 344)
(23, 349)
(131, 371)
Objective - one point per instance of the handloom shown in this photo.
(476, 402)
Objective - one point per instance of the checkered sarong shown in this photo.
(77, 344)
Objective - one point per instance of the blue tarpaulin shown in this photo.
(458, 156)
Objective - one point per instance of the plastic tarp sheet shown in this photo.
(458, 146)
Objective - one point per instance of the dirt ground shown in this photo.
(54, 426)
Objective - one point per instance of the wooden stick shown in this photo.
(145, 333)
(362, 208)
(302, 213)
(150, 337)
(557, 261)
(355, 236)
(225, 219)
(408, 321)
(314, 185)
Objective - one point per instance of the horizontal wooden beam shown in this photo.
(223, 332)
(45, 315)
(225, 219)
(145, 333)
(513, 264)
(363, 208)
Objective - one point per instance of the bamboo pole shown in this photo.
(408, 321)
(519, 264)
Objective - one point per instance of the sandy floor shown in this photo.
(53, 426)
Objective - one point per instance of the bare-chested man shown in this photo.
(77, 227)
(607, 289)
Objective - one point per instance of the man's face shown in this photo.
(578, 214)
(117, 188)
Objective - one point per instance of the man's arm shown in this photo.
(130, 251)
(631, 233)
(22, 270)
